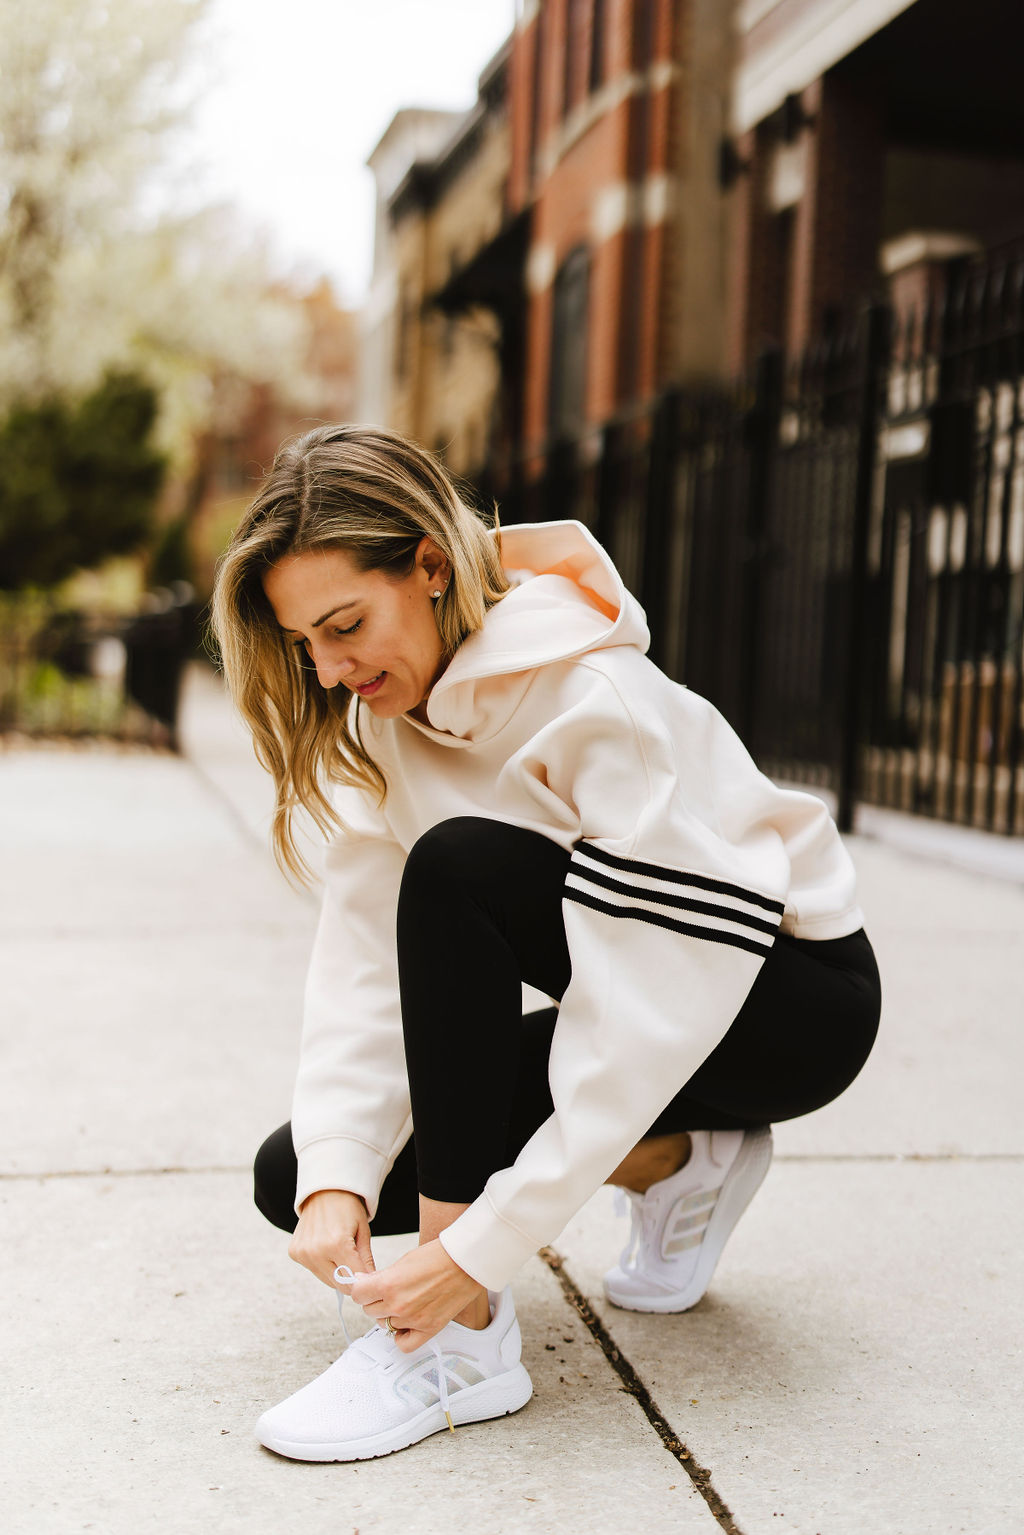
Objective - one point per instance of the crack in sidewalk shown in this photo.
(15, 1176)
(116, 1172)
(216, 791)
(899, 1156)
(632, 1384)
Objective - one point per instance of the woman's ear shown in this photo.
(433, 563)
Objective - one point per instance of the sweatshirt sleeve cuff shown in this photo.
(336, 1162)
(486, 1247)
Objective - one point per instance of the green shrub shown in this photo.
(78, 482)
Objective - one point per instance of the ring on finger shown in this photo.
(389, 1327)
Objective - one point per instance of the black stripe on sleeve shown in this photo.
(678, 877)
(665, 898)
(655, 919)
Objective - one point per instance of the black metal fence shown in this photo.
(77, 674)
(833, 553)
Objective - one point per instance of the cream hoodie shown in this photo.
(686, 862)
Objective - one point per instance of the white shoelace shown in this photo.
(633, 1205)
(344, 1275)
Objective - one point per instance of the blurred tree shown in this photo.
(77, 483)
(86, 106)
(100, 285)
(94, 274)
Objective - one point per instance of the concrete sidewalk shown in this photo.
(855, 1369)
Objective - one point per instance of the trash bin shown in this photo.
(157, 645)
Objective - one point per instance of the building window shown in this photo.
(595, 74)
(643, 34)
(536, 86)
(568, 377)
(574, 57)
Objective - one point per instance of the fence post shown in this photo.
(658, 501)
(762, 436)
(874, 340)
(607, 487)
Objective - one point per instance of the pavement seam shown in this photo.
(223, 800)
(241, 928)
(159, 1172)
(634, 1386)
(241, 825)
(115, 1172)
(900, 1156)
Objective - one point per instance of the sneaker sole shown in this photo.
(495, 1398)
(742, 1182)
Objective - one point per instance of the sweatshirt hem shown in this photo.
(836, 925)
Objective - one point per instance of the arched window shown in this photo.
(595, 74)
(574, 59)
(569, 326)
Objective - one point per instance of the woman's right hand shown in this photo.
(333, 1228)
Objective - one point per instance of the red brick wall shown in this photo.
(520, 102)
(758, 268)
(605, 302)
(561, 221)
(787, 271)
(838, 220)
(627, 357)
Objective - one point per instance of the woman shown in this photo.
(512, 793)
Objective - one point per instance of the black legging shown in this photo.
(479, 913)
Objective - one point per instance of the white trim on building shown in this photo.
(801, 53)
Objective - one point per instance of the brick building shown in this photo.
(432, 347)
(648, 192)
(555, 258)
(617, 111)
(870, 139)
(414, 136)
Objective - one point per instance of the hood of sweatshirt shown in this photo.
(568, 599)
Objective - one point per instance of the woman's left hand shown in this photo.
(421, 1293)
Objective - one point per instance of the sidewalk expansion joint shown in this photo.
(45, 1176)
(899, 1156)
(227, 805)
(632, 1384)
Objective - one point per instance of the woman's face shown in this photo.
(375, 635)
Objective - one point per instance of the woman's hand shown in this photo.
(421, 1293)
(333, 1228)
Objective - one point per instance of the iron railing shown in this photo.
(77, 674)
(833, 552)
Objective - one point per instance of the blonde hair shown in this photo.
(374, 495)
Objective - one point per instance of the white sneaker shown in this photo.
(680, 1226)
(375, 1399)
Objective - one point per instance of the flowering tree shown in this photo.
(86, 102)
(94, 282)
(91, 92)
